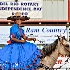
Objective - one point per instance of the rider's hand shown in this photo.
(34, 39)
(23, 41)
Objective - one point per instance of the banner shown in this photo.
(32, 9)
(4, 34)
(45, 34)
(62, 62)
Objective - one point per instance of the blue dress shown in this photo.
(19, 55)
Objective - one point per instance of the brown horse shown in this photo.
(51, 51)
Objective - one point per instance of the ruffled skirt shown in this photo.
(24, 56)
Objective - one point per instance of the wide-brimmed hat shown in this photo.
(18, 16)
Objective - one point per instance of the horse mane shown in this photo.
(49, 48)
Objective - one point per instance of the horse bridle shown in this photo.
(64, 46)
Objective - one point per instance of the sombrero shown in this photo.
(18, 16)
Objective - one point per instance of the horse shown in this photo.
(50, 52)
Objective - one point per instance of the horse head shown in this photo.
(51, 51)
(65, 46)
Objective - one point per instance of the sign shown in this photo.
(32, 8)
(62, 61)
(45, 34)
(4, 34)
